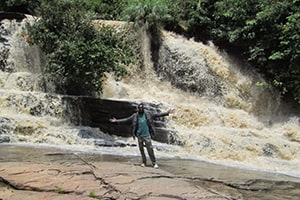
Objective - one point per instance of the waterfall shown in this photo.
(220, 114)
(30, 113)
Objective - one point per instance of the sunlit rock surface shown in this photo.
(62, 175)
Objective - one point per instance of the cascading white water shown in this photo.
(223, 129)
(226, 128)
(28, 115)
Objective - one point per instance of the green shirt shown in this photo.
(143, 129)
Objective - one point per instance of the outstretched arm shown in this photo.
(123, 120)
(170, 110)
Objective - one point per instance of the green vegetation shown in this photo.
(147, 13)
(266, 33)
(149, 16)
(78, 55)
(60, 190)
(92, 194)
(106, 9)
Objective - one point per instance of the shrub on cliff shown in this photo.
(265, 32)
(77, 54)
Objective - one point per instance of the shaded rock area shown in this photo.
(11, 15)
(95, 112)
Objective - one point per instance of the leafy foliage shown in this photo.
(265, 32)
(269, 35)
(78, 55)
(193, 17)
(107, 9)
(147, 13)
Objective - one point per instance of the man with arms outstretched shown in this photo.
(143, 128)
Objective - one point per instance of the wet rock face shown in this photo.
(96, 112)
(4, 139)
(187, 72)
(6, 125)
(4, 50)
(269, 150)
(35, 104)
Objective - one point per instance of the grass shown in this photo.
(59, 190)
(92, 194)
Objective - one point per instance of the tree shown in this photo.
(147, 13)
(268, 32)
(78, 55)
(148, 16)
(265, 32)
(107, 9)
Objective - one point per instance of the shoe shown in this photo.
(155, 166)
(143, 165)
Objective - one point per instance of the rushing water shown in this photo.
(245, 128)
(253, 131)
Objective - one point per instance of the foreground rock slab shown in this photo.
(96, 180)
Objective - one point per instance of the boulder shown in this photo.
(186, 70)
(96, 112)
(4, 139)
(6, 125)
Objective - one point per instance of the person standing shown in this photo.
(143, 128)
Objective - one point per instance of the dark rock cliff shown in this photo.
(95, 112)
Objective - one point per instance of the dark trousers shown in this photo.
(146, 141)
